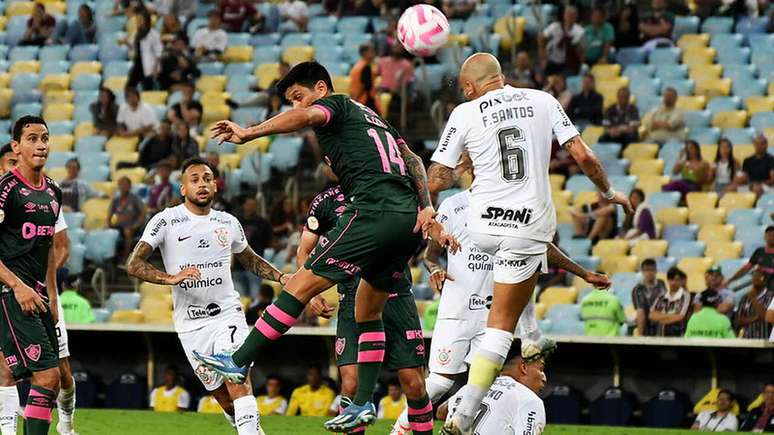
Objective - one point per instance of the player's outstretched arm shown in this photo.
(557, 258)
(139, 267)
(286, 122)
(259, 266)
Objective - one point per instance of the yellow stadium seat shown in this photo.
(341, 84)
(136, 175)
(609, 89)
(699, 55)
(460, 39)
(127, 316)
(613, 264)
(229, 161)
(156, 98)
(58, 112)
(540, 310)
(771, 88)
(592, 133)
(582, 198)
(117, 144)
(557, 181)
(732, 119)
(56, 8)
(651, 183)
(238, 54)
(734, 200)
(6, 97)
(561, 198)
(416, 274)
(64, 96)
(640, 151)
(211, 84)
(85, 67)
(261, 144)
(695, 265)
(672, 216)
(213, 98)
(96, 211)
(3, 22)
(215, 112)
(691, 102)
(719, 250)
(266, 73)
(558, 295)
(385, 98)
(24, 66)
(115, 84)
(54, 82)
(122, 157)
(708, 152)
(769, 132)
(107, 187)
(57, 174)
(606, 71)
(294, 55)
(696, 282)
(650, 248)
(83, 129)
(690, 40)
(704, 216)
(758, 103)
(19, 8)
(646, 167)
(511, 31)
(5, 80)
(563, 215)
(610, 247)
(713, 87)
(150, 290)
(61, 142)
(722, 232)
(700, 72)
(743, 151)
(696, 200)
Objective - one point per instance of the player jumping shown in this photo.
(385, 184)
(196, 244)
(508, 133)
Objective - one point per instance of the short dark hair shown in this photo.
(6, 149)
(638, 192)
(74, 160)
(393, 382)
(131, 90)
(194, 161)
(364, 48)
(273, 376)
(730, 394)
(514, 353)
(674, 272)
(648, 262)
(769, 228)
(305, 74)
(668, 89)
(589, 76)
(24, 121)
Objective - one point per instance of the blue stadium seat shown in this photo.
(729, 266)
(724, 104)
(266, 54)
(573, 84)
(740, 72)
(326, 24)
(724, 41)
(638, 71)
(54, 52)
(559, 312)
(15, 28)
(613, 408)
(245, 116)
(111, 52)
(665, 410)
(212, 145)
(685, 24)
(54, 67)
(590, 263)
(476, 25)
(337, 68)
(20, 110)
(108, 25)
(24, 81)
(240, 82)
(697, 118)
(286, 150)
(537, 17)
(256, 168)
(296, 39)
(211, 68)
(625, 282)
(86, 82)
(659, 200)
(431, 75)
(751, 237)
(762, 120)
(4, 64)
(357, 39)
(616, 166)
(94, 159)
(61, 127)
(714, 25)
(644, 86)
(671, 71)
(751, 25)
(761, 41)
(321, 40)
(76, 257)
(575, 247)
(680, 249)
(85, 98)
(563, 405)
(379, 24)
(763, 59)
(57, 159)
(630, 55)
(607, 150)
(84, 52)
(579, 183)
(265, 39)
(238, 39)
(101, 244)
(565, 231)
(665, 263)
(74, 219)
(90, 144)
(748, 88)
(128, 391)
(82, 114)
(623, 183)
(567, 326)
(666, 55)
(352, 25)
(706, 135)
(739, 135)
(26, 95)
(745, 217)
(123, 301)
(92, 173)
(236, 69)
(646, 103)
(674, 233)
(117, 68)
(733, 55)
(682, 86)
(329, 53)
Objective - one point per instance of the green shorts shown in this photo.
(405, 345)
(376, 245)
(29, 342)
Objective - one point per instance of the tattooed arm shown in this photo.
(438, 275)
(140, 268)
(440, 177)
(259, 266)
(592, 167)
(416, 170)
(557, 258)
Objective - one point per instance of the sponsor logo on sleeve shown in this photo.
(312, 223)
(530, 429)
(156, 228)
(447, 139)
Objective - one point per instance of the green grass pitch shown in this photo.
(118, 422)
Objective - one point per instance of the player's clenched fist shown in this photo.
(191, 273)
(318, 307)
(598, 280)
(437, 278)
(227, 131)
(28, 299)
(439, 234)
(425, 219)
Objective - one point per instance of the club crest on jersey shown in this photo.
(222, 236)
(24, 191)
(33, 352)
(341, 343)
(444, 356)
(50, 191)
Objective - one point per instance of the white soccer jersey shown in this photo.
(508, 133)
(508, 408)
(207, 242)
(470, 293)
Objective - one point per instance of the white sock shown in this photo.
(65, 405)
(246, 415)
(436, 386)
(9, 406)
(493, 350)
(527, 328)
(230, 419)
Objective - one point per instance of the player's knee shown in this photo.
(47, 379)
(413, 383)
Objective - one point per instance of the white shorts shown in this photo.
(61, 334)
(222, 335)
(453, 344)
(515, 260)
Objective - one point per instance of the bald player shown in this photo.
(508, 133)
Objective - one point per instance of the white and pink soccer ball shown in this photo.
(423, 29)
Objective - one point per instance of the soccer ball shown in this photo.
(423, 29)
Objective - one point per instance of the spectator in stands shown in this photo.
(626, 24)
(312, 399)
(170, 396)
(708, 322)
(75, 308)
(283, 217)
(562, 162)
(621, 120)
(84, 29)
(75, 191)
(238, 15)
(586, 106)
(641, 225)
(210, 42)
(713, 277)
(721, 420)
(147, 51)
(183, 145)
(40, 27)
(171, 28)
(595, 221)
(750, 317)
(294, 15)
(157, 149)
(763, 258)
(599, 37)
(602, 314)
(362, 77)
(188, 111)
(135, 118)
(644, 296)
(162, 192)
(560, 45)
(757, 170)
(104, 113)
(725, 168)
(126, 214)
(666, 122)
(522, 75)
(275, 106)
(671, 310)
(692, 170)
(8, 159)
(556, 85)
(176, 8)
(258, 234)
(395, 70)
(177, 66)
(761, 419)
(658, 23)
(272, 403)
(392, 405)
(458, 8)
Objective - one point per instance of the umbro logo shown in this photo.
(181, 238)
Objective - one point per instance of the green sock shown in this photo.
(278, 318)
(37, 413)
(370, 355)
